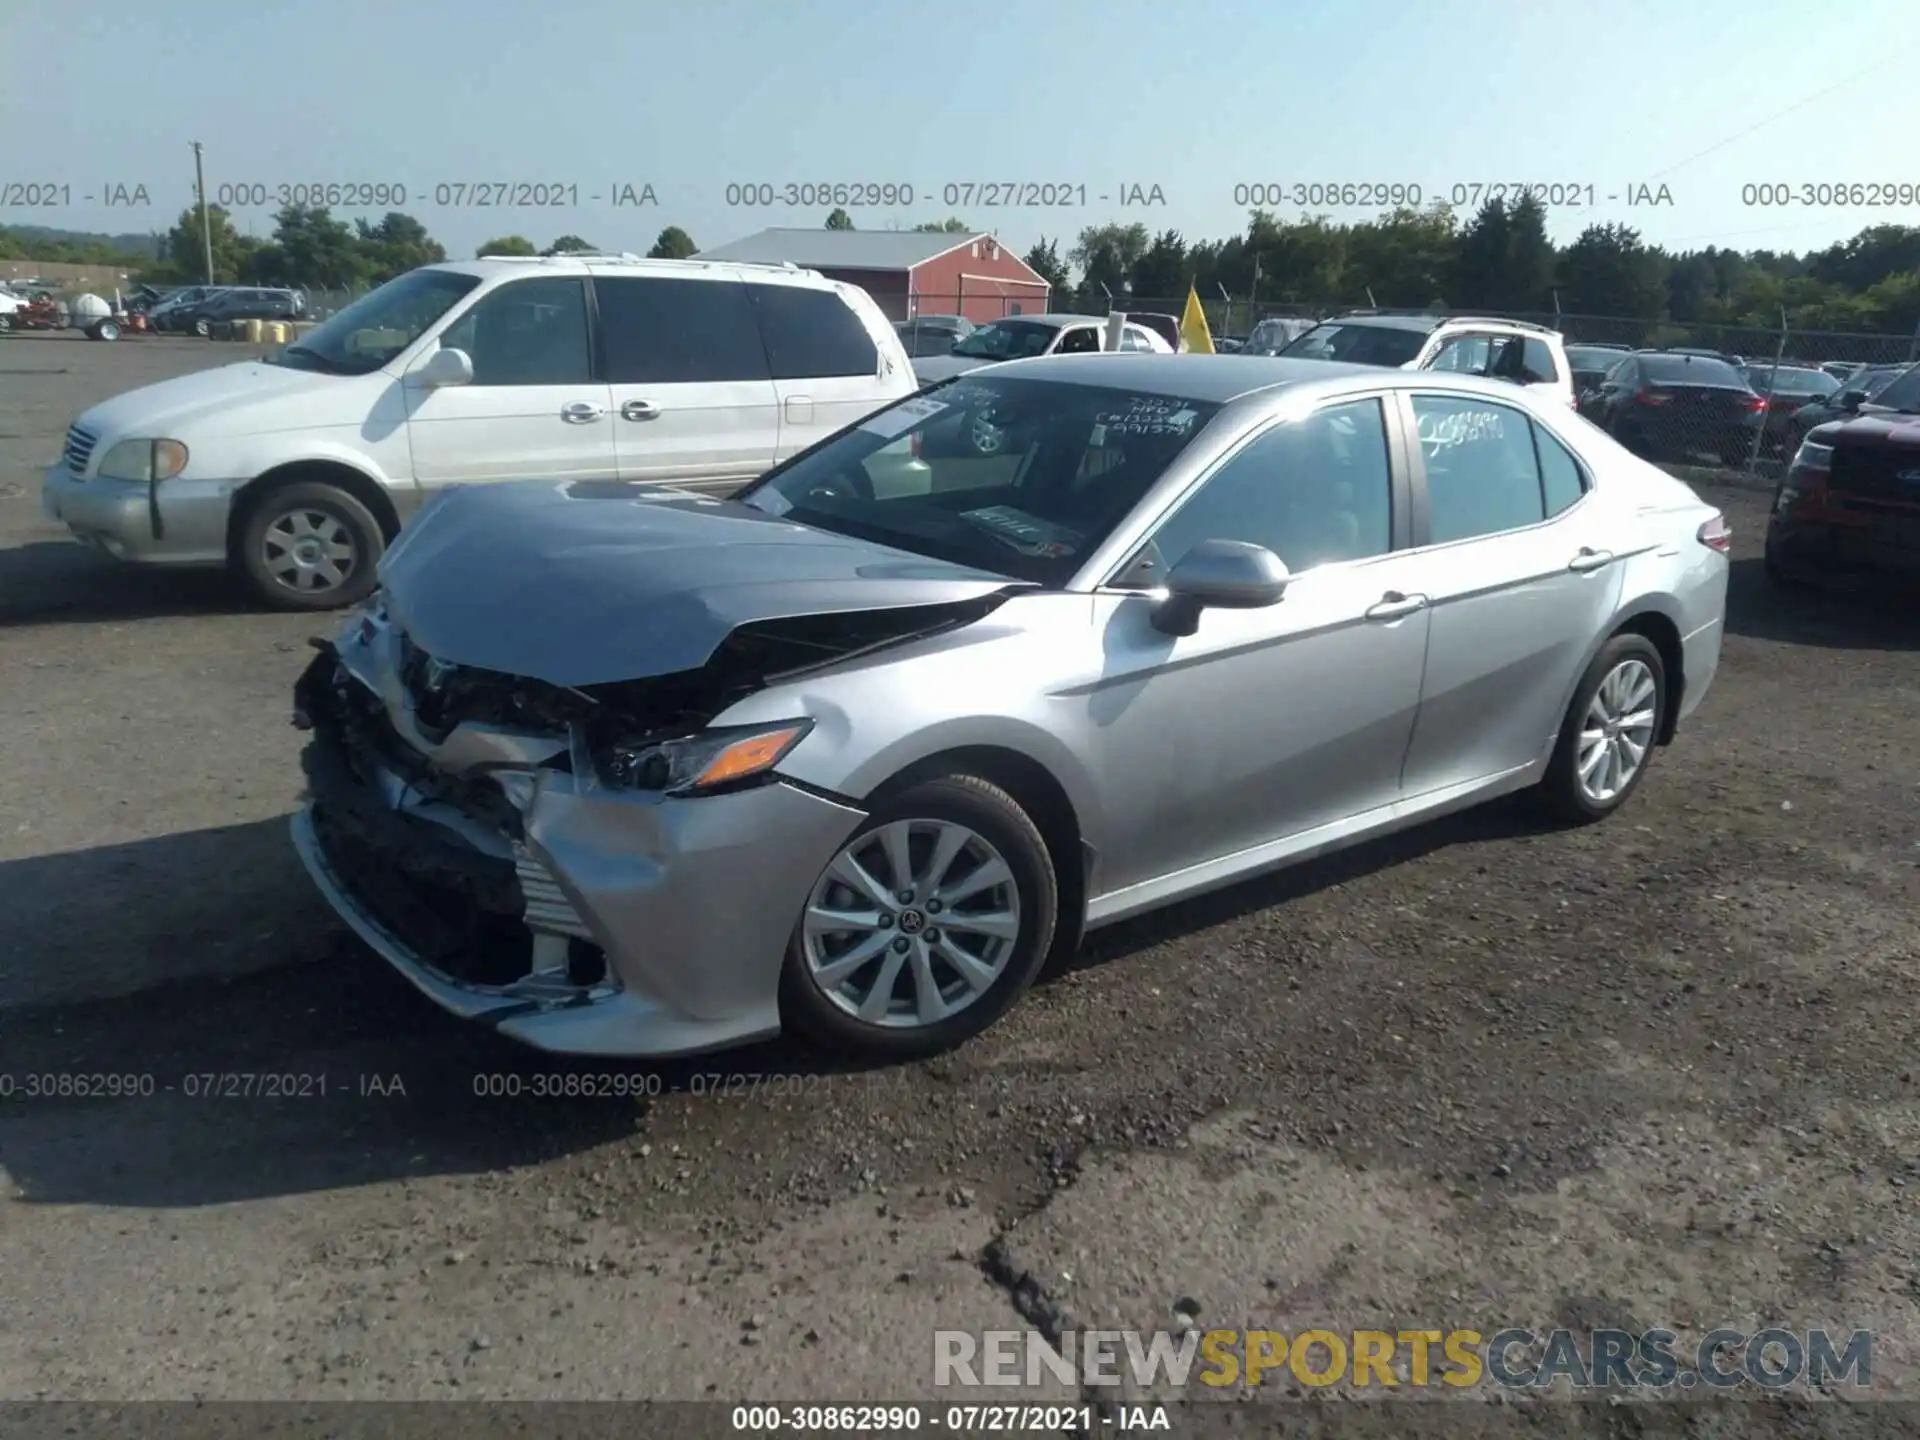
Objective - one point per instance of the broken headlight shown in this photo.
(699, 764)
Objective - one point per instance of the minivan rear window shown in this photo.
(812, 334)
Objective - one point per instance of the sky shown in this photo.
(1163, 109)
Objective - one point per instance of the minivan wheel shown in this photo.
(925, 926)
(310, 546)
(1607, 740)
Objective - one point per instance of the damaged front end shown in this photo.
(518, 846)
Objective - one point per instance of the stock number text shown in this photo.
(253, 194)
(66, 1085)
(854, 193)
(1865, 193)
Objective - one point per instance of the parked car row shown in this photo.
(1681, 403)
(201, 310)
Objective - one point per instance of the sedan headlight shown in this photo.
(145, 460)
(698, 764)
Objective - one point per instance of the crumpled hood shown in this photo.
(929, 368)
(592, 583)
(231, 400)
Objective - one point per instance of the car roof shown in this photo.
(1214, 379)
(1421, 323)
(495, 266)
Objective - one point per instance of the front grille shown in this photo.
(1875, 474)
(79, 451)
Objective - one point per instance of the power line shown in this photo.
(1782, 114)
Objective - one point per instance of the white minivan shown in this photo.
(298, 471)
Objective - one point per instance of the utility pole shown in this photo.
(206, 230)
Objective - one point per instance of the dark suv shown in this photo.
(1848, 511)
(225, 306)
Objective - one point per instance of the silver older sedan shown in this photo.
(623, 770)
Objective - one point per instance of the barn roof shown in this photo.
(821, 249)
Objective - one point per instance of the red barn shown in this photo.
(908, 272)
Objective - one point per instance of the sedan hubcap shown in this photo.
(911, 923)
(309, 551)
(1617, 731)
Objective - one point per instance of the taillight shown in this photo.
(1755, 404)
(1716, 534)
(1650, 397)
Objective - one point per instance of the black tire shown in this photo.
(1778, 577)
(1560, 787)
(6, 323)
(309, 498)
(203, 328)
(996, 817)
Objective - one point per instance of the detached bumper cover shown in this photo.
(682, 908)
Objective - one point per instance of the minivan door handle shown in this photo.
(1393, 605)
(639, 410)
(1589, 559)
(581, 412)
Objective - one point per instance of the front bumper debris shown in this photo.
(571, 916)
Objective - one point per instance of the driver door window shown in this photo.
(1085, 340)
(1315, 492)
(532, 332)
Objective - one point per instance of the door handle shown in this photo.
(580, 412)
(1590, 559)
(639, 410)
(1393, 605)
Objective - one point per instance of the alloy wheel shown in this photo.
(309, 551)
(986, 437)
(911, 923)
(1617, 731)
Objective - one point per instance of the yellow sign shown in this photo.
(1195, 338)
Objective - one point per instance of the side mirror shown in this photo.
(1221, 575)
(443, 368)
(1851, 399)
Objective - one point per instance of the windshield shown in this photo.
(1007, 340)
(1677, 369)
(1019, 477)
(1358, 344)
(1792, 379)
(378, 326)
(1902, 394)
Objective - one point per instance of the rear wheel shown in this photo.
(310, 546)
(6, 322)
(926, 926)
(203, 328)
(1607, 739)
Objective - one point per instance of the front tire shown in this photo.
(203, 328)
(310, 546)
(1607, 740)
(925, 927)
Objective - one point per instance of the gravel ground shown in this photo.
(1658, 1071)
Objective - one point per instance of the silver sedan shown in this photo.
(623, 770)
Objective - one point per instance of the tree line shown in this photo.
(1500, 259)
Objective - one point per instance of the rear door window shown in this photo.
(662, 331)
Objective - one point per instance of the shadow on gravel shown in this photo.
(1510, 817)
(51, 582)
(1761, 609)
(295, 1061)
